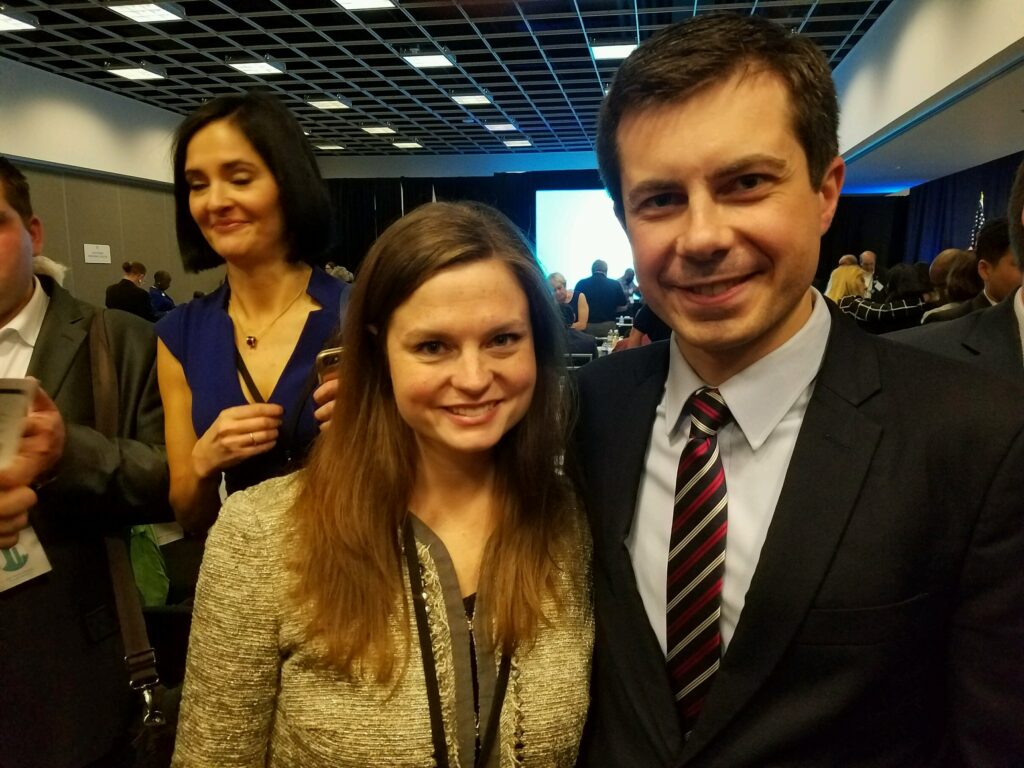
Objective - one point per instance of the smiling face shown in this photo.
(233, 196)
(460, 353)
(723, 220)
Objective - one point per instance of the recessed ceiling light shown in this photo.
(329, 147)
(607, 52)
(518, 143)
(329, 104)
(258, 67)
(149, 13)
(16, 22)
(470, 99)
(137, 73)
(408, 145)
(378, 130)
(429, 60)
(497, 127)
(364, 5)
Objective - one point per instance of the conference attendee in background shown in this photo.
(420, 594)
(796, 562)
(158, 298)
(576, 342)
(995, 268)
(236, 366)
(574, 309)
(127, 294)
(938, 273)
(847, 259)
(847, 280)
(628, 283)
(604, 298)
(66, 699)
(876, 284)
(988, 338)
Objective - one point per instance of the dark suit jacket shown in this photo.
(962, 309)
(127, 296)
(65, 689)
(884, 625)
(989, 339)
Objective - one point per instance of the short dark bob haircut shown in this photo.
(685, 57)
(279, 141)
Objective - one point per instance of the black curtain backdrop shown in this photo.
(864, 223)
(941, 212)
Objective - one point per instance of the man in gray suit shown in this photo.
(66, 701)
(989, 338)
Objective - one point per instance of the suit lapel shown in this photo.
(639, 661)
(826, 472)
(996, 337)
(63, 332)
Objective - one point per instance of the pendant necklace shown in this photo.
(251, 340)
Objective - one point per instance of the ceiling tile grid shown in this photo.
(532, 61)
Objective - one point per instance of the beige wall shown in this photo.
(135, 220)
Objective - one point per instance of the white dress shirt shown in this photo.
(18, 337)
(768, 401)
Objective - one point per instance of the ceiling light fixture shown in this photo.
(408, 145)
(266, 67)
(470, 99)
(330, 104)
(610, 52)
(378, 130)
(428, 60)
(150, 13)
(329, 147)
(11, 21)
(138, 73)
(364, 5)
(513, 143)
(498, 127)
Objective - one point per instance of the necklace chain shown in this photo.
(252, 339)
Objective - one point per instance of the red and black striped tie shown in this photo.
(696, 558)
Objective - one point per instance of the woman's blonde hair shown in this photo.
(355, 491)
(847, 280)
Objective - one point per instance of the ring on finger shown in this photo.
(253, 438)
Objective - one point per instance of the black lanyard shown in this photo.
(430, 670)
(291, 429)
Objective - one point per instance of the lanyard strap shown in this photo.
(419, 602)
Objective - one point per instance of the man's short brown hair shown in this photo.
(693, 54)
(16, 192)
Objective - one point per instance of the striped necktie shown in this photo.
(696, 560)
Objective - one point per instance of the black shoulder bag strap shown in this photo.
(139, 656)
(430, 669)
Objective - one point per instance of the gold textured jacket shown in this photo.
(259, 693)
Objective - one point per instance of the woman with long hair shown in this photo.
(236, 366)
(421, 591)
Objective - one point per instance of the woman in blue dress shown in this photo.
(236, 366)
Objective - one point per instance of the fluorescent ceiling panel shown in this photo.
(408, 145)
(147, 13)
(378, 130)
(609, 52)
(329, 104)
(136, 73)
(470, 99)
(329, 147)
(518, 143)
(364, 5)
(14, 23)
(498, 127)
(429, 60)
(257, 67)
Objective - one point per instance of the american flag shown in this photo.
(979, 220)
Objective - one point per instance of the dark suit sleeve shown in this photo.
(986, 655)
(128, 474)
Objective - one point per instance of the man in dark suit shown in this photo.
(66, 701)
(795, 562)
(990, 338)
(604, 298)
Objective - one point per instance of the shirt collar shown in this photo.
(1018, 310)
(761, 394)
(29, 321)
